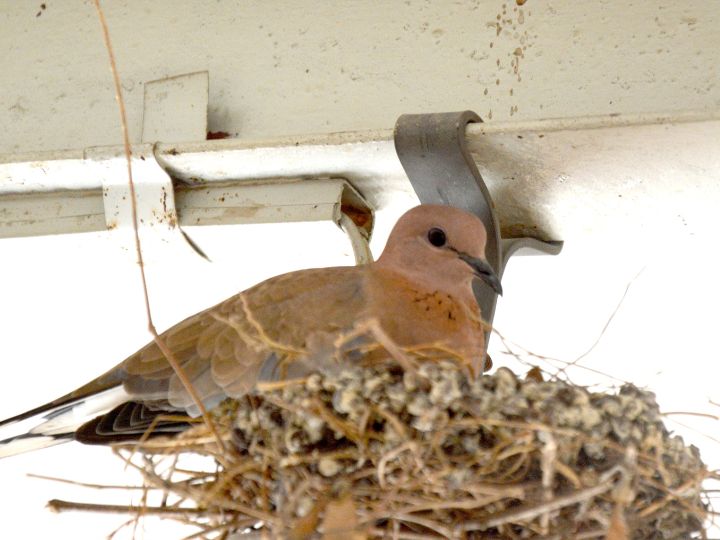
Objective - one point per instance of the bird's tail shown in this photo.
(55, 422)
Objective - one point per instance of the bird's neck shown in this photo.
(417, 274)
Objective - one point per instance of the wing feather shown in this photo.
(222, 349)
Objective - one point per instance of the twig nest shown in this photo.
(391, 454)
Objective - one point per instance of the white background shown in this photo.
(72, 308)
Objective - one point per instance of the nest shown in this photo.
(380, 452)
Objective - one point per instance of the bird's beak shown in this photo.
(483, 270)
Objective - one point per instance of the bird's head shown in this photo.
(441, 245)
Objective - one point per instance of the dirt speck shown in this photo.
(517, 54)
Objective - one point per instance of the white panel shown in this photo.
(175, 109)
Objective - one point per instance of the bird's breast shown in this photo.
(414, 315)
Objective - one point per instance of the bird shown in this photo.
(418, 292)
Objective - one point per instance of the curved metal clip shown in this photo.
(434, 154)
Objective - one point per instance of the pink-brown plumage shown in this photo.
(420, 293)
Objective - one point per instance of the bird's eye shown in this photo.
(437, 237)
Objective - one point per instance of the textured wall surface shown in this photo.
(290, 67)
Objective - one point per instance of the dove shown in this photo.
(418, 292)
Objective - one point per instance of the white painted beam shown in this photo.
(35, 213)
(615, 177)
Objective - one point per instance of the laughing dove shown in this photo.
(418, 292)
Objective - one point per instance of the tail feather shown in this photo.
(28, 443)
(53, 424)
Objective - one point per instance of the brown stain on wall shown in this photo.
(512, 40)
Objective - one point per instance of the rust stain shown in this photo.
(521, 230)
(213, 135)
(511, 46)
(359, 216)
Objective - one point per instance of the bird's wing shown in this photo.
(223, 350)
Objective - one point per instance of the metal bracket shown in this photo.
(162, 204)
(175, 109)
(433, 151)
(154, 196)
